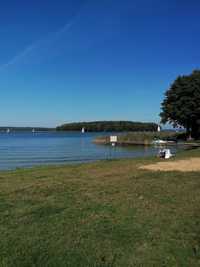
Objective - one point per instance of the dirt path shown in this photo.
(186, 165)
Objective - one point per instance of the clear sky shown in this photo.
(82, 60)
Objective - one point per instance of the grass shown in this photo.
(107, 213)
(139, 137)
(149, 136)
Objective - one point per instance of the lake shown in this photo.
(26, 149)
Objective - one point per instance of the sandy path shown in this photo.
(186, 165)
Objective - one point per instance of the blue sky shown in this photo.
(85, 60)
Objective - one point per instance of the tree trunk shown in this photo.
(195, 130)
(188, 131)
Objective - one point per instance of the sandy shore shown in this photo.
(187, 165)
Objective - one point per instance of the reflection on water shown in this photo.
(29, 149)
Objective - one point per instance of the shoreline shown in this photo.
(96, 161)
(146, 139)
(135, 143)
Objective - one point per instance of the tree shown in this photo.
(109, 126)
(181, 105)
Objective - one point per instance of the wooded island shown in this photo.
(108, 126)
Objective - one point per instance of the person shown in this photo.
(161, 153)
(164, 153)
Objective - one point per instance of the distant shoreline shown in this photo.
(25, 129)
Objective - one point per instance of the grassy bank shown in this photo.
(139, 138)
(108, 213)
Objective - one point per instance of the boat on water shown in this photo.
(83, 130)
(159, 128)
(159, 142)
(33, 130)
(8, 130)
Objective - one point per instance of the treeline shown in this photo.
(108, 126)
(25, 129)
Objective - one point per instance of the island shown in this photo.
(109, 126)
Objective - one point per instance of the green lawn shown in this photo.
(107, 213)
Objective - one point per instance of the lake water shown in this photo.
(29, 149)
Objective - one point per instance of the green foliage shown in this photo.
(181, 106)
(149, 136)
(108, 126)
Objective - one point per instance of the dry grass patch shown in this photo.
(186, 165)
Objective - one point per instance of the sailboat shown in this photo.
(33, 130)
(8, 130)
(83, 130)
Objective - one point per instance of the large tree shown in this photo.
(181, 105)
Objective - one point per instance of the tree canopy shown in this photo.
(181, 105)
(108, 126)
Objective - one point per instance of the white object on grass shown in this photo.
(168, 153)
(165, 153)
